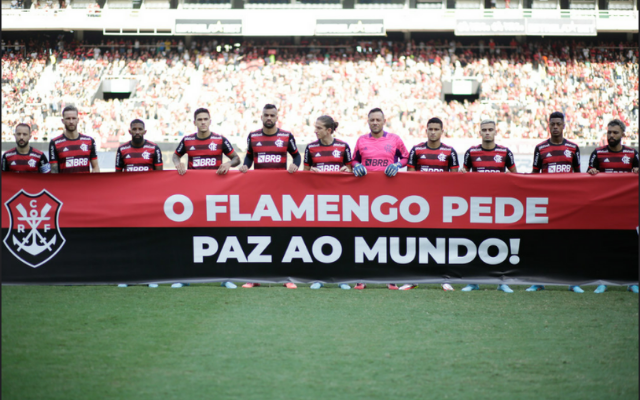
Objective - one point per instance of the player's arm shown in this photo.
(234, 159)
(93, 156)
(358, 169)
(158, 165)
(177, 155)
(308, 162)
(453, 161)
(248, 158)
(95, 167)
(347, 160)
(537, 161)
(53, 156)
(119, 161)
(594, 163)
(635, 164)
(411, 162)
(293, 150)
(510, 163)
(4, 162)
(466, 165)
(44, 166)
(576, 161)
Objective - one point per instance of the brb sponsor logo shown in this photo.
(34, 235)
(137, 168)
(269, 158)
(376, 162)
(554, 169)
(204, 162)
(328, 167)
(76, 162)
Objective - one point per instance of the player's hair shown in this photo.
(617, 122)
(70, 107)
(328, 122)
(136, 121)
(28, 127)
(435, 120)
(200, 111)
(270, 107)
(374, 110)
(488, 121)
(556, 114)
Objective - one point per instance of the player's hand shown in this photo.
(392, 169)
(635, 170)
(181, 168)
(592, 171)
(359, 170)
(314, 169)
(243, 168)
(345, 169)
(292, 168)
(463, 170)
(224, 168)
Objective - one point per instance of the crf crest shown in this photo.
(34, 235)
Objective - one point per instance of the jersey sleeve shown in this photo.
(53, 153)
(43, 164)
(4, 162)
(347, 155)
(292, 148)
(467, 160)
(249, 148)
(227, 147)
(576, 160)
(511, 160)
(453, 160)
(402, 155)
(181, 149)
(537, 161)
(307, 157)
(593, 160)
(411, 161)
(93, 154)
(636, 159)
(119, 161)
(357, 157)
(157, 158)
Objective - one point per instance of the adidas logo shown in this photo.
(259, 144)
(478, 159)
(548, 155)
(606, 160)
(423, 156)
(128, 156)
(65, 149)
(192, 148)
(317, 154)
(13, 163)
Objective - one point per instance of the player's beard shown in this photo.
(22, 143)
(613, 142)
(137, 140)
(71, 128)
(268, 124)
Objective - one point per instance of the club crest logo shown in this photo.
(442, 157)
(34, 235)
(212, 146)
(497, 158)
(336, 153)
(279, 143)
(567, 153)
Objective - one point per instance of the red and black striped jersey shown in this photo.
(495, 160)
(72, 155)
(33, 161)
(441, 159)
(270, 151)
(327, 157)
(134, 159)
(556, 158)
(204, 153)
(605, 160)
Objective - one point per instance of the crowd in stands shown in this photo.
(521, 83)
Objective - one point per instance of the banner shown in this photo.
(272, 226)
(350, 27)
(209, 26)
(526, 26)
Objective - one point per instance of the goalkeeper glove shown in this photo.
(392, 169)
(359, 170)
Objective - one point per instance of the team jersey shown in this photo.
(425, 159)
(72, 155)
(204, 153)
(329, 157)
(270, 151)
(498, 159)
(377, 153)
(33, 161)
(134, 159)
(556, 158)
(605, 160)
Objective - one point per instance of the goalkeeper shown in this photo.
(379, 151)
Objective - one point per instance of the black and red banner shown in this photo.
(272, 226)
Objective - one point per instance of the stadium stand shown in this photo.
(620, 5)
(591, 82)
(545, 4)
(205, 4)
(119, 4)
(431, 4)
(582, 5)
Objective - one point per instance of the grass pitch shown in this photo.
(208, 342)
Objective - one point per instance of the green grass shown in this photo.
(208, 342)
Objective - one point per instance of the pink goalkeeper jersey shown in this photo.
(377, 154)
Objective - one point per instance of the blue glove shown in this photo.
(392, 169)
(359, 170)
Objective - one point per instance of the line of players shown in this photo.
(377, 150)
